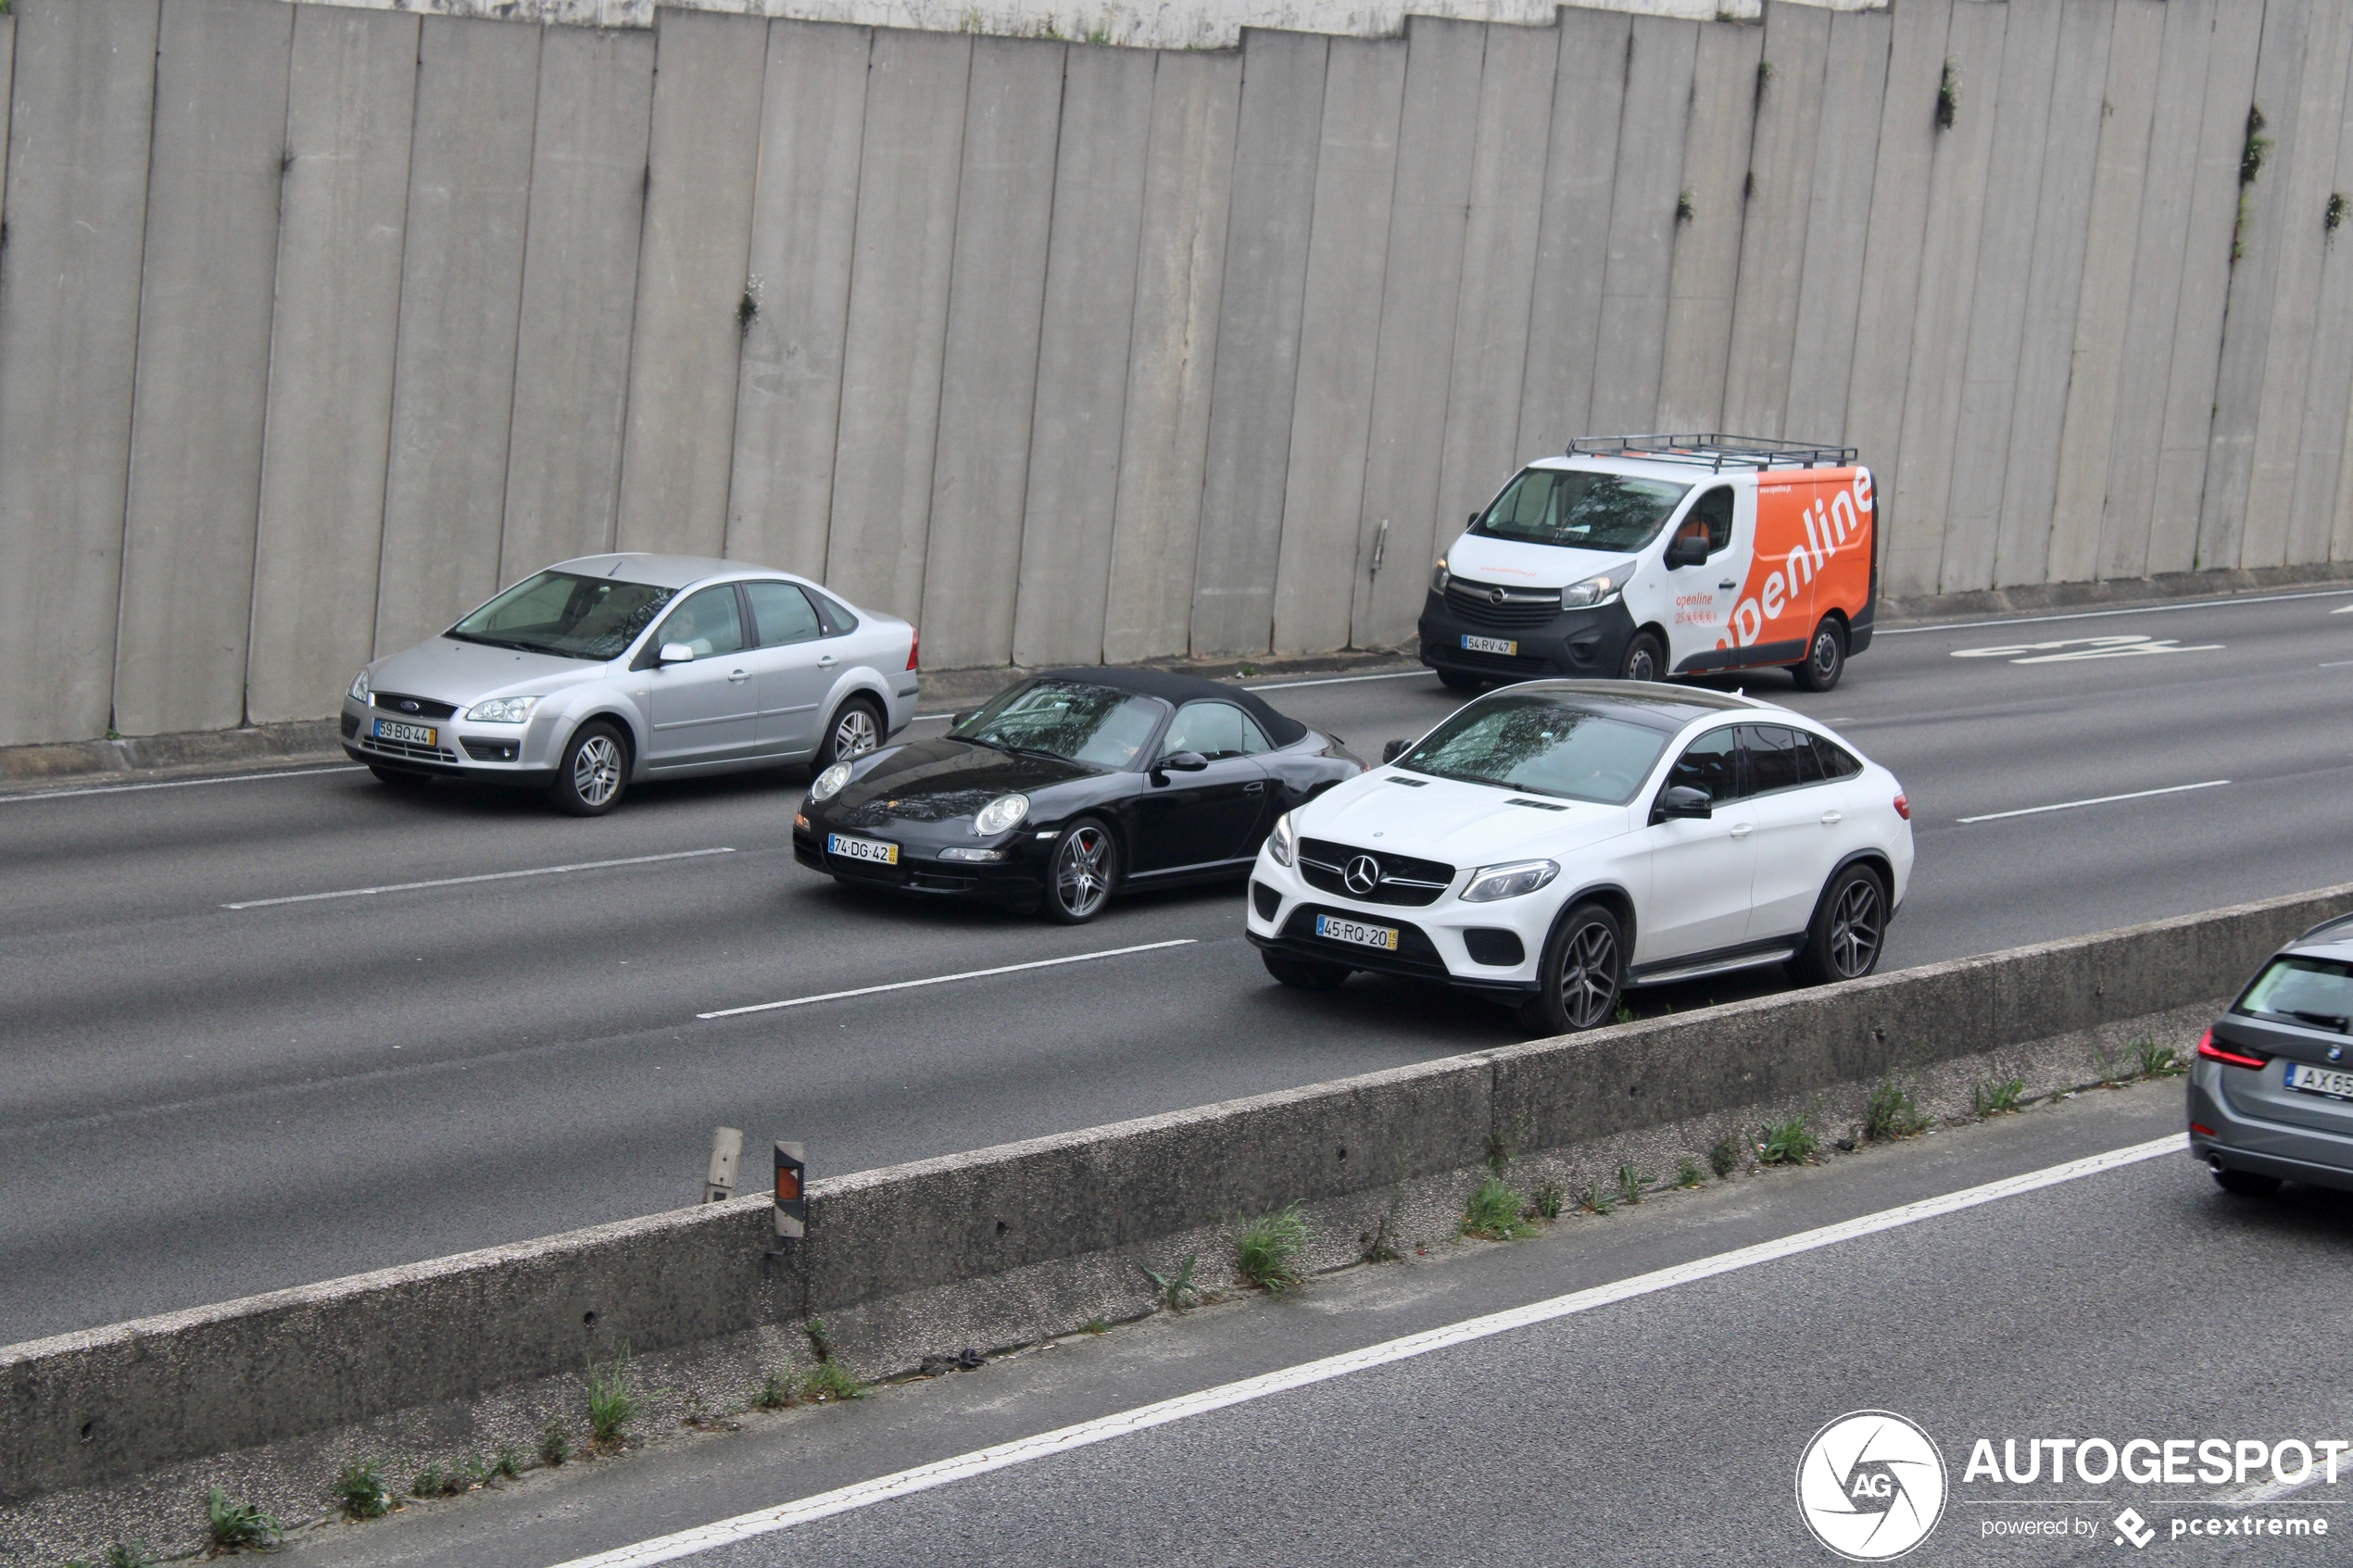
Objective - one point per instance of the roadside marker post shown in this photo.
(792, 1204)
(727, 1152)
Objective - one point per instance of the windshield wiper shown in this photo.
(486, 642)
(2322, 1020)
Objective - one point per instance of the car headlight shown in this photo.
(1283, 842)
(1601, 590)
(1440, 576)
(502, 710)
(1491, 883)
(1005, 811)
(360, 691)
(828, 784)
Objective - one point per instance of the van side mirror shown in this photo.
(1391, 751)
(1687, 551)
(677, 653)
(1683, 800)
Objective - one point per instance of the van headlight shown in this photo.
(1601, 590)
(1440, 576)
(1000, 814)
(1491, 883)
(502, 710)
(360, 691)
(1283, 842)
(828, 784)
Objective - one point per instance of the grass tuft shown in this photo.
(2155, 1061)
(1268, 1251)
(1593, 1199)
(1550, 1196)
(777, 1391)
(1688, 1173)
(1788, 1143)
(122, 1554)
(555, 1444)
(361, 1492)
(1493, 1212)
(1995, 1099)
(1180, 1292)
(507, 1463)
(612, 1400)
(1724, 1158)
(1632, 1184)
(831, 1383)
(1891, 1115)
(429, 1482)
(234, 1526)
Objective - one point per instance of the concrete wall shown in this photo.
(319, 324)
(105, 1403)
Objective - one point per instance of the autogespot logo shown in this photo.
(1870, 1485)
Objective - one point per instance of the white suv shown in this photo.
(1554, 843)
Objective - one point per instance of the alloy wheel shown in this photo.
(1856, 925)
(1082, 872)
(595, 770)
(1588, 976)
(854, 733)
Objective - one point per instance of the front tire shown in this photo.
(1306, 975)
(1825, 657)
(857, 729)
(1848, 931)
(1079, 879)
(594, 773)
(1583, 970)
(1644, 660)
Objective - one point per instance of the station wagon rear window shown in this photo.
(2317, 993)
(1541, 748)
(1579, 510)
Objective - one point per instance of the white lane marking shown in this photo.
(2338, 663)
(460, 881)
(180, 784)
(2096, 800)
(2134, 610)
(923, 1477)
(2085, 647)
(1340, 680)
(944, 979)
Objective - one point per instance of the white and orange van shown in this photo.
(1652, 556)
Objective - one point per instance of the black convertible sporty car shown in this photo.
(1068, 787)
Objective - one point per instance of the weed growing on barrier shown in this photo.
(1378, 1246)
(1267, 1250)
(555, 1444)
(429, 1482)
(1499, 1152)
(1632, 1184)
(507, 1461)
(122, 1554)
(821, 1339)
(612, 1402)
(361, 1492)
(1178, 1293)
(1493, 1212)
(1788, 1143)
(1589, 1197)
(1891, 1115)
(232, 1527)
(1095, 1326)
(1548, 1202)
(1688, 1173)
(1724, 1158)
(1995, 1099)
(775, 1392)
(2332, 215)
(831, 1382)
(1948, 97)
(2155, 1061)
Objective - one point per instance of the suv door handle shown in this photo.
(738, 677)
(1742, 830)
(826, 661)
(1832, 818)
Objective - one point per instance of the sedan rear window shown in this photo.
(2314, 992)
(1542, 747)
(1079, 724)
(1580, 509)
(562, 612)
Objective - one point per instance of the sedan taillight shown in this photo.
(2229, 1056)
(914, 645)
(1903, 806)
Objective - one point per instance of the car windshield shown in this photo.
(1079, 724)
(2318, 992)
(1541, 747)
(1579, 510)
(561, 612)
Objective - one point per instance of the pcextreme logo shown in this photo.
(1870, 1485)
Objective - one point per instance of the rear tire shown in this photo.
(1456, 681)
(1082, 874)
(1644, 660)
(399, 778)
(1848, 931)
(1583, 970)
(594, 773)
(1306, 975)
(2245, 1183)
(857, 729)
(1825, 657)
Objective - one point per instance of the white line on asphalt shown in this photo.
(179, 783)
(460, 881)
(944, 979)
(923, 1477)
(2096, 800)
(1341, 680)
(2134, 610)
(2338, 663)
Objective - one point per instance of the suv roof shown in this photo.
(1716, 452)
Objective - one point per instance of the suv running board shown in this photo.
(1713, 966)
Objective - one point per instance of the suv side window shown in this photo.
(1836, 760)
(1779, 758)
(1710, 763)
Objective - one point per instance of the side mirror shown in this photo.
(1687, 552)
(1181, 762)
(1683, 800)
(1474, 521)
(677, 653)
(1392, 750)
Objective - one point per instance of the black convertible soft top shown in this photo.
(1169, 686)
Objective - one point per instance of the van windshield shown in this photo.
(1579, 510)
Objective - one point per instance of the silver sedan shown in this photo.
(605, 671)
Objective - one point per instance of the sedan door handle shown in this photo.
(826, 661)
(1832, 818)
(738, 677)
(1742, 830)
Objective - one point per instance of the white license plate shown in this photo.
(873, 849)
(414, 735)
(2320, 1080)
(1488, 645)
(1382, 936)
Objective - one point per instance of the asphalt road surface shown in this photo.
(2134, 1301)
(208, 1090)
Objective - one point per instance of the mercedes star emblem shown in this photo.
(1362, 876)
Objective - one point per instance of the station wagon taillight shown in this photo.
(2229, 1056)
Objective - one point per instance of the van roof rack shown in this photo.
(1717, 452)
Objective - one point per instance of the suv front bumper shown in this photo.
(1434, 939)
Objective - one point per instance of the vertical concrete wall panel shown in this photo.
(897, 332)
(1427, 224)
(1338, 342)
(1941, 323)
(341, 219)
(1790, 89)
(1708, 243)
(988, 367)
(83, 94)
(203, 364)
(693, 267)
(1171, 356)
(1082, 357)
(2320, 492)
(1499, 270)
(804, 216)
(1572, 238)
(1838, 222)
(2004, 243)
(460, 308)
(581, 246)
(1635, 279)
(2095, 356)
(1892, 258)
(2191, 391)
(1258, 324)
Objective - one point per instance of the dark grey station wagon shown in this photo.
(2271, 1090)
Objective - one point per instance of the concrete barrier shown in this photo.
(105, 1404)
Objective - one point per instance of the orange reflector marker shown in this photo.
(792, 1205)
